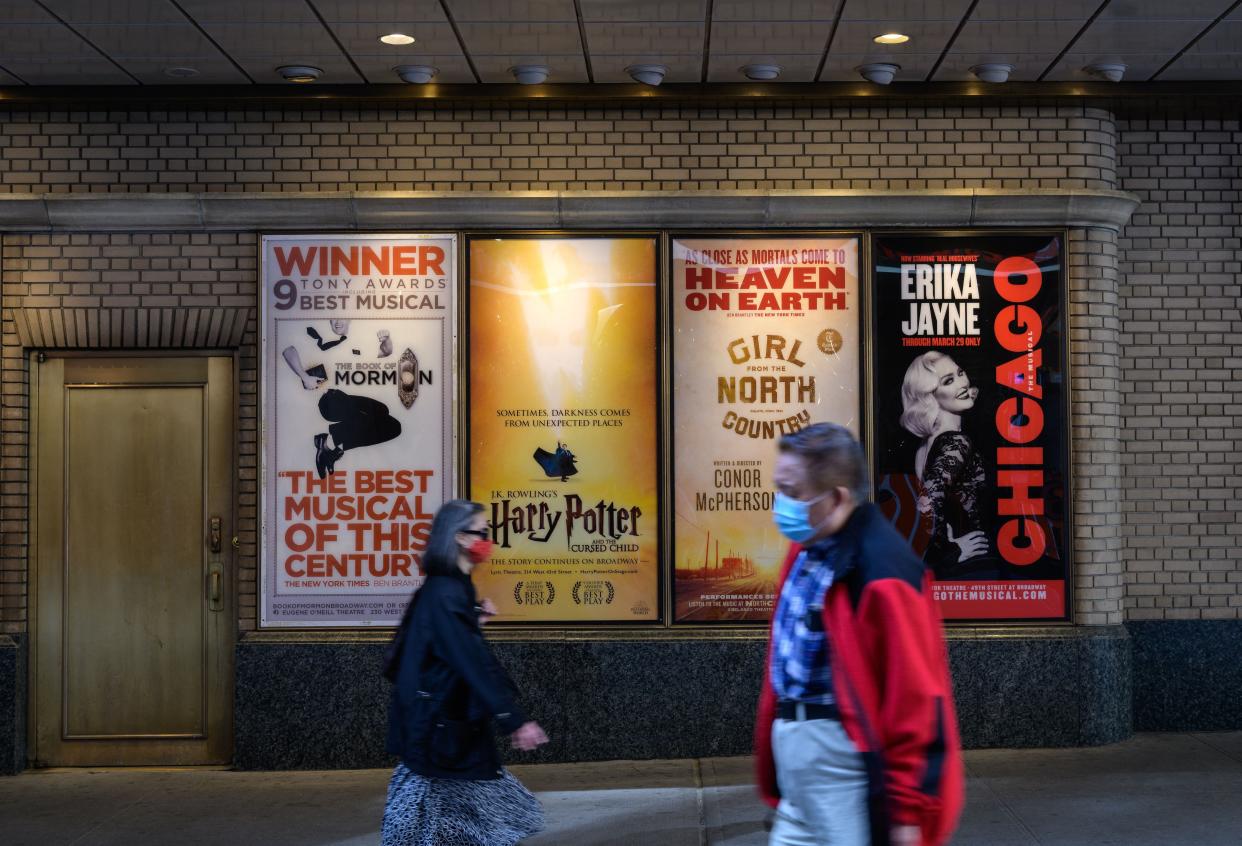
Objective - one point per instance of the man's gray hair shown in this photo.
(833, 457)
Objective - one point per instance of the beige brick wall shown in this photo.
(541, 147)
(1181, 319)
(549, 147)
(119, 271)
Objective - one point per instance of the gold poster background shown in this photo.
(726, 562)
(570, 325)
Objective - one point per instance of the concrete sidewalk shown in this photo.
(1155, 789)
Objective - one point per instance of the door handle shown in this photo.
(214, 534)
(215, 587)
(217, 580)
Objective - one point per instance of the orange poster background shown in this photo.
(727, 557)
(566, 325)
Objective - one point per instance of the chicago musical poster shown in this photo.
(766, 341)
(970, 414)
(564, 426)
(357, 436)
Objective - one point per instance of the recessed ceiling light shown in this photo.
(992, 71)
(397, 39)
(529, 74)
(181, 73)
(891, 38)
(881, 73)
(299, 73)
(647, 74)
(416, 74)
(1110, 71)
(761, 73)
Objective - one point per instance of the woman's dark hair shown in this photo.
(440, 557)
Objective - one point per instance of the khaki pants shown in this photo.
(823, 785)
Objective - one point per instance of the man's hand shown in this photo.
(905, 835)
(530, 736)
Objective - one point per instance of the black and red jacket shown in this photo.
(890, 676)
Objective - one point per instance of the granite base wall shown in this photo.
(323, 704)
(12, 704)
(1187, 675)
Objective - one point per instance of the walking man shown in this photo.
(856, 741)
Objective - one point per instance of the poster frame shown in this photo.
(864, 407)
(1067, 405)
(453, 432)
(465, 405)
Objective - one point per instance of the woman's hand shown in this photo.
(971, 544)
(487, 610)
(528, 737)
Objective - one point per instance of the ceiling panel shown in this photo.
(1007, 10)
(1194, 66)
(1144, 46)
(854, 44)
(490, 11)
(248, 11)
(495, 68)
(1026, 66)
(1030, 46)
(452, 68)
(776, 10)
(214, 70)
(632, 11)
(381, 11)
(57, 70)
(23, 11)
(684, 67)
(51, 42)
(652, 39)
(8, 79)
(175, 39)
(770, 39)
(1204, 10)
(726, 67)
(548, 38)
(135, 12)
(899, 11)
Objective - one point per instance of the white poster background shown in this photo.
(344, 550)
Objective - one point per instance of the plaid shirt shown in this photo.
(800, 669)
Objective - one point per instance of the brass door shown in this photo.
(132, 561)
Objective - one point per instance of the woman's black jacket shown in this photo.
(448, 686)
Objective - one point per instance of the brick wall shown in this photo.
(528, 147)
(119, 271)
(550, 147)
(1181, 262)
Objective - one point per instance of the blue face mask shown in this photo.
(793, 517)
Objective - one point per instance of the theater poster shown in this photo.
(765, 342)
(564, 424)
(970, 453)
(357, 426)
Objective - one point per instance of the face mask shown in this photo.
(480, 550)
(793, 517)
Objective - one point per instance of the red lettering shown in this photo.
(1024, 555)
(287, 261)
(1017, 292)
(1026, 500)
(1008, 414)
(1029, 328)
(1019, 374)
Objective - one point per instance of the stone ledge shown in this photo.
(395, 210)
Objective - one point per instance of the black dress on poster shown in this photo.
(970, 404)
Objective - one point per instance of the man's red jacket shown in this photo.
(890, 675)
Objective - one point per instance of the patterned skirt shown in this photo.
(424, 811)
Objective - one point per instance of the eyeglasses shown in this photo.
(482, 533)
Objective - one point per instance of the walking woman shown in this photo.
(449, 788)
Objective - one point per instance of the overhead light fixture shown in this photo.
(1108, 71)
(529, 74)
(761, 73)
(647, 74)
(181, 73)
(397, 39)
(992, 71)
(881, 73)
(416, 74)
(891, 38)
(299, 73)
